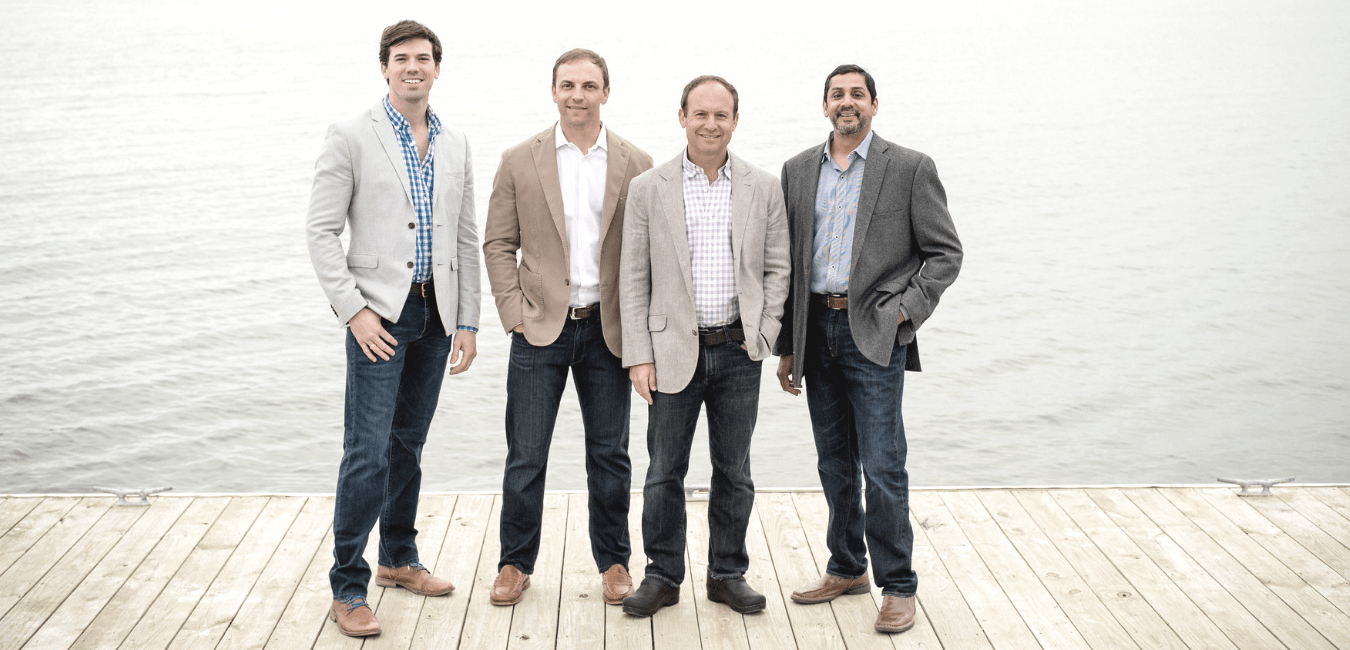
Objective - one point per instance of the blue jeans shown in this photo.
(534, 388)
(727, 381)
(388, 411)
(855, 414)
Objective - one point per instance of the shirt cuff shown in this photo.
(466, 328)
(902, 312)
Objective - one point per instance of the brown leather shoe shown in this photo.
(508, 587)
(415, 578)
(829, 587)
(896, 615)
(353, 617)
(617, 584)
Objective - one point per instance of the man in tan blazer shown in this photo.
(558, 199)
(705, 274)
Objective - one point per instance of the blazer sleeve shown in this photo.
(470, 283)
(329, 201)
(783, 347)
(937, 243)
(635, 275)
(777, 264)
(501, 240)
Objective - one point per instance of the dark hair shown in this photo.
(407, 30)
(849, 68)
(577, 54)
(708, 78)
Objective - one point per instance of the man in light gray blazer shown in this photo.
(407, 289)
(873, 248)
(703, 278)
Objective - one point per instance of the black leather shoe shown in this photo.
(736, 593)
(651, 595)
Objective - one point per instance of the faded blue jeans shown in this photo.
(727, 382)
(388, 411)
(534, 388)
(855, 414)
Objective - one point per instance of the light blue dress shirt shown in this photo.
(836, 210)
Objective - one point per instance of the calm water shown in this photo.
(1153, 198)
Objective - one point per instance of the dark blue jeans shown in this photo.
(855, 414)
(727, 381)
(388, 411)
(534, 388)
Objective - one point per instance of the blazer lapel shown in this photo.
(385, 132)
(616, 166)
(805, 178)
(545, 152)
(672, 209)
(742, 197)
(873, 172)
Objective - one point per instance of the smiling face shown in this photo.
(709, 118)
(579, 91)
(411, 71)
(848, 104)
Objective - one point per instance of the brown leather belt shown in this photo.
(582, 313)
(720, 335)
(423, 289)
(831, 300)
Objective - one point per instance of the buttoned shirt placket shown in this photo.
(707, 217)
(582, 181)
(422, 182)
(836, 211)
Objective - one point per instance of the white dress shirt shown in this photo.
(582, 179)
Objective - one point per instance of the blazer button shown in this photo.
(567, 281)
(410, 264)
(411, 225)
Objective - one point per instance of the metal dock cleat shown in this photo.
(122, 495)
(1247, 484)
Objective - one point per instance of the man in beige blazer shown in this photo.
(705, 274)
(408, 291)
(558, 200)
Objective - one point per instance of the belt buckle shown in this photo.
(572, 313)
(422, 288)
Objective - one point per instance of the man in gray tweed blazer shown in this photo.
(873, 248)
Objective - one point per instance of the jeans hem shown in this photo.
(844, 577)
(663, 579)
(888, 592)
(727, 576)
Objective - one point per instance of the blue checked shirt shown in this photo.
(836, 211)
(423, 184)
(707, 222)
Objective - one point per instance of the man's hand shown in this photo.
(371, 336)
(902, 316)
(519, 329)
(785, 375)
(643, 377)
(463, 351)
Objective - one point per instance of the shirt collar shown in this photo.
(863, 147)
(560, 140)
(401, 123)
(690, 169)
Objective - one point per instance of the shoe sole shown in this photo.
(507, 603)
(894, 630)
(674, 599)
(383, 582)
(851, 591)
(332, 616)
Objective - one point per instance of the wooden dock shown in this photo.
(1169, 567)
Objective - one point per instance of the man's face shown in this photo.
(708, 120)
(411, 70)
(579, 91)
(848, 104)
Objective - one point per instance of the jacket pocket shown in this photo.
(532, 290)
(363, 261)
(656, 322)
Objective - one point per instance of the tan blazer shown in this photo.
(660, 323)
(525, 213)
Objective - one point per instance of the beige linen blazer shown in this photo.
(660, 323)
(525, 214)
(360, 182)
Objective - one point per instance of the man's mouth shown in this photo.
(413, 82)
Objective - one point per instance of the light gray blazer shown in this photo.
(656, 286)
(360, 181)
(905, 250)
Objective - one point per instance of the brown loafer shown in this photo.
(829, 587)
(617, 584)
(896, 615)
(509, 586)
(353, 617)
(415, 578)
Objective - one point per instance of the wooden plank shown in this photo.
(1023, 587)
(443, 618)
(28, 530)
(622, 630)
(487, 626)
(939, 598)
(1077, 599)
(81, 600)
(399, 609)
(1326, 508)
(1268, 569)
(13, 510)
(535, 622)
(1316, 530)
(718, 626)
(813, 626)
(855, 616)
(1085, 560)
(997, 615)
(267, 599)
(581, 608)
(139, 591)
(307, 610)
(771, 629)
(175, 602)
(1338, 499)
(46, 552)
(329, 636)
(678, 627)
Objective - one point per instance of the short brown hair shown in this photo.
(702, 79)
(407, 30)
(577, 54)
